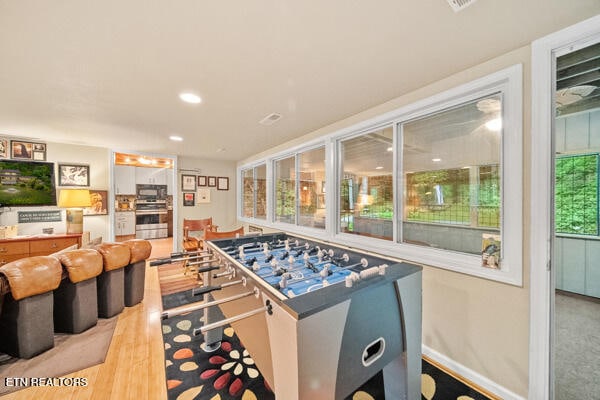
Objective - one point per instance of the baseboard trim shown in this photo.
(468, 376)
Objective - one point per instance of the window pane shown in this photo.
(285, 190)
(261, 191)
(248, 193)
(576, 194)
(366, 193)
(311, 185)
(451, 165)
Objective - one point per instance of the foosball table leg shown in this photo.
(402, 376)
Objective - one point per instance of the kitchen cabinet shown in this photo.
(169, 173)
(124, 223)
(124, 179)
(151, 176)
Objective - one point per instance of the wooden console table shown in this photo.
(38, 245)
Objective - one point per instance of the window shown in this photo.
(260, 188)
(576, 194)
(451, 164)
(427, 182)
(366, 190)
(248, 193)
(285, 190)
(312, 188)
(308, 187)
(254, 192)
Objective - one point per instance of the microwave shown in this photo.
(151, 192)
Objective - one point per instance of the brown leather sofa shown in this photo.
(67, 292)
(26, 322)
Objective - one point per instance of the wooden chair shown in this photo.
(193, 231)
(208, 235)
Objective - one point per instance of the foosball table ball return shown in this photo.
(319, 320)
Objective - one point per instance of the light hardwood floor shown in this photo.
(135, 364)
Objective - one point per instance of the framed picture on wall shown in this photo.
(222, 183)
(204, 195)
(39, 151)
(4, 149)
(188, 183)
(73, 175)
(201, 181)
(212, 181)
(21, 150)
(189, 199)
(99, 200)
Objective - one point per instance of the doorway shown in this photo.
(576, 241)
(144, 196)
(546, 250)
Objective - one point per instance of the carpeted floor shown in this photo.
(70, 353)
(230, 373)
(577, 347)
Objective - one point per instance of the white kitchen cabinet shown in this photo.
(124, 179)
(124, 223)
(169, 173)
(150, 176)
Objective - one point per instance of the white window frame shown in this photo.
(508, 82)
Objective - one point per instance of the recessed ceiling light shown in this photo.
(380, 167)
(190, 98)
(176, 138)
(390, 148)
(436, 159)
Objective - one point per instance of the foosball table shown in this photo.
(319, 320)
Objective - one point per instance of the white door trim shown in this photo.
(542, 120)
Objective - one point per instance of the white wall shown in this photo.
(98, 159)
(222, 206)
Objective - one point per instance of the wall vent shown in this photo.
(270, 119)
(458, 5)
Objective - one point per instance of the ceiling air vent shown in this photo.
(458, 5)
(270, 119)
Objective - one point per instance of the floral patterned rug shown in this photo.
(229, 373)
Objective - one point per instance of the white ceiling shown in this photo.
(108, 72)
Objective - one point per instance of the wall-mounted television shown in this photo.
(27, 183)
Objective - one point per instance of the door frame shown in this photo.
(541, 372)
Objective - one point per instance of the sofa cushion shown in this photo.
(32, 275)
(82, 264)
(114, 255)
(140, 249)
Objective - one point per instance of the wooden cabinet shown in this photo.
(170, 222)
(124, 223)
(14, 249)
(150, 176)
(124, 179)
